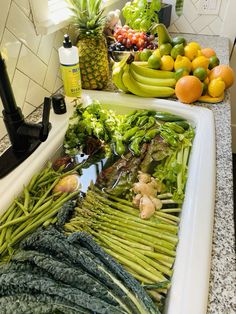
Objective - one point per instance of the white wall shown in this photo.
(193, 22)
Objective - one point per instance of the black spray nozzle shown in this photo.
(67, 42)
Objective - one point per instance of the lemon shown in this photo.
(190, 52)
(182, 62)
(201, 73)
(195, 45)
(165, 49)
(199, 53)
(201, 61)
(216, 87)
(167, 63)
(180, 73)
(154, 62)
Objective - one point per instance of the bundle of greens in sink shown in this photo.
(111, 249)
(132, 210)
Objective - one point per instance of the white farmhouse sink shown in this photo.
(189, 291)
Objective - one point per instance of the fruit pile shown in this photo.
(176, 67)
(128, 39)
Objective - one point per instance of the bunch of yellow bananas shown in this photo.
(140, 80)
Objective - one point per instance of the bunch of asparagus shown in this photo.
(146, 248)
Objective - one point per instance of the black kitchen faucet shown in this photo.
(25, 137)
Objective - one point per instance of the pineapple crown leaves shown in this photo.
(87, 15)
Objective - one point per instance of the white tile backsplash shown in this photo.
(19, 86)
(191, 9)
(27, 109)
(24, 5)
(193, 22)
(5, 5)
(20, 25)
(35, 94)
(52, 70)
(10, 47)
(31, 65)
(45, 47)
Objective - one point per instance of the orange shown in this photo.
(208, 52)
(225, 72)
(200, 62)
(216, 87)
(188, 89)
(167, 63)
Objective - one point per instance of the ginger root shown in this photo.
(146, 195)
(147, 207)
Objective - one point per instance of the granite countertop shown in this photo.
(221, 298)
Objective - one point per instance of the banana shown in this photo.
(141, 63)
(144, 90)
(144, 71)
(209, 99)
(170, 82)
(117, 73)
(130, 83)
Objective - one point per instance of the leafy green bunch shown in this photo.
(141, 15)
(91, 122)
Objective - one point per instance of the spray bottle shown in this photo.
(69, 60)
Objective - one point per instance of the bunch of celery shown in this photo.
(172, 170)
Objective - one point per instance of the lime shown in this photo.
(178, 40)
(181, 72)
(145, 54)
(201, 73)
(204, 88)
(177, 50)
(165, 49)
(157, 53)
(213, 62)
(154, 62)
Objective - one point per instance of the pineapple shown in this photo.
(89, 21)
